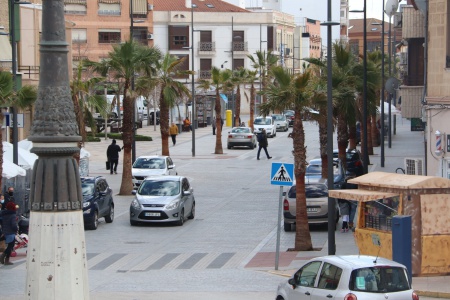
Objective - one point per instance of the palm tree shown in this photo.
(124, 61)
(251, 78)
(220, 81)
(292, 91)
(167, 70)
(239, 77)
(23, 98)
(264, 61)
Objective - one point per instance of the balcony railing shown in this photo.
(205, 74)
(109, 12)
(74, 12)
(206, 46)
(79, 41)
(29, 70)
(240, 46)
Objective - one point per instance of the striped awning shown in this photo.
(140, 7)
(5, 49)
(109, 1)
(80, 2)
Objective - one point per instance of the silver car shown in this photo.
(163, 199)
(281, 123)
(241, 136)
(351, 277)
(266, 123)
(153, 165)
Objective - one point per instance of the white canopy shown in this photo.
(394, 110)
(26, 159)
(11, 170)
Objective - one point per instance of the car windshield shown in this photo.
(380, 279)
(159, 188)
(262, 122)
(279, 117)
(87, 188)
(240, 130)
(150, 163)
(314, 169)
(311, 191)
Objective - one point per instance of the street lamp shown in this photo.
(330, 173)
(192, 78)
(365, 153)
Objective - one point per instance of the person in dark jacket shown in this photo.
(9, 227)
(113, 156)
(9, 197)
(263, 144)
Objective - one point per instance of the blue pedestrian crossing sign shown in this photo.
(282, 174)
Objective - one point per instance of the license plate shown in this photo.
(312, 209)
(150, 214)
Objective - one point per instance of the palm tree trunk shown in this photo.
(127, 133)
(374, 132)
(323, 140)
(342, 137)
(238, 106)
(164, 123)
(252, 107)
(218, 108)
(369, 136)
(302, 234)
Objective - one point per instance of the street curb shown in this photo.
(433, 294)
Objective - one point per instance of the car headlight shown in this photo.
(86, 204)
(135, 204)
(172, 205)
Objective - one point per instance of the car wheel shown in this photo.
(110, 217)
(252, 146)
(287, 227)
(94, 222)
(134, 223)
(228, 146)
(180, 222)
(192, 215)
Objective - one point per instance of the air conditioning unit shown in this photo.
(403, 58)
(150, 36)
(413, 166)
(149, 6)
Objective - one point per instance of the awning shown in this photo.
(5, 48)
(360, 195)
(224, 98)
(80, 2)
(140, 7)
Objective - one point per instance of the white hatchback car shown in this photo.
(281, 123)
(153, 165)
(350, 277)
(266, 123)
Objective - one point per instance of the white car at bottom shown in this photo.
(348, 277)
(266, 123)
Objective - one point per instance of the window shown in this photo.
(79, 35)
(329, 277)
(206, 43)
(205, 68)
(75, 7)
(178, 37)
(378, 214)
(306, 276)
(140, 34)
(383, 279)
(238, 63)
(140, 9)
(238, 41)
(109, 7)
(184, 66)
(106, 36)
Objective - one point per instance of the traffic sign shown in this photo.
(282, 174)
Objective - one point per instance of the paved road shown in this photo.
(210, 257)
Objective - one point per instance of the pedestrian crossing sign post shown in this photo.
(282, 174)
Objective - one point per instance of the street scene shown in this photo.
(228, 250)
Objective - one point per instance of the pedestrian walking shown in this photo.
(344, 208)
(9, 228)
(113, 156)
(263, 144)
(173, 131)
(9, 197)
(214, 125)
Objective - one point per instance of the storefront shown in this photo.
(381, 196)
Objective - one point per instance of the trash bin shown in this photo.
(228, 118)
(208, 121)
(180, 128)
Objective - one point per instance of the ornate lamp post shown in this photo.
(56, 260)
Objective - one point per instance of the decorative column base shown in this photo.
(56, 256)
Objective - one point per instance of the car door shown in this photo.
(101, 188)
(187, 199)
(328, 282)
(304, 279)
(171, 166)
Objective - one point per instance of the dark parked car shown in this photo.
(355, 165)
(97, 201)
(290, 116)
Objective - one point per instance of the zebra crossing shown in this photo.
(138, 262)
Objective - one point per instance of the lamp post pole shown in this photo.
(15, 135)
(390, 95)
(382, 92)
(194, 117)
(232, 70)
(364, 125)
(133, 146)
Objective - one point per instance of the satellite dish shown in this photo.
(391, 84)
(391, 7)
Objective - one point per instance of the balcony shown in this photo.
(79, 41)
(239, 46)
(205, 74)
(109, 12)
(74, 12)
(208, 47)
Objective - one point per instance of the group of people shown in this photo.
(9, 226)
